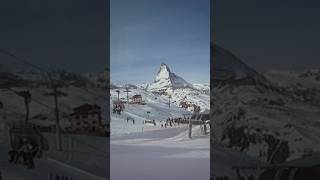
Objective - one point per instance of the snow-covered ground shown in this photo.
(224, 160)
(84, 157)
(272, 117)
(43, 167)
(160, 154)
(139, 151)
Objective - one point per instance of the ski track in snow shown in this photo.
(140, 152)
(42, 169)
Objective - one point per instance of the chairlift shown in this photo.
(29, 132)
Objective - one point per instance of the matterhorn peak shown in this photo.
(163, 65)
(163, 73)
(166, 79)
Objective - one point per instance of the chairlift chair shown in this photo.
(18, 132)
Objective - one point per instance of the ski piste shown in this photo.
(262, 120)
(83, 154)
(157, 145)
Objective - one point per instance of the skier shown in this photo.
(27, 152)
(22, 151)
(32, 151)
(14, 153)
(119, 109)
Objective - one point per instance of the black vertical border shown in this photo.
(211, 82)
(108, 82)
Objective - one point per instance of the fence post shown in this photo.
(190, 128)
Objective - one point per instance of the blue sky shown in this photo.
(69, 35)
(270, 34)
(145, 33)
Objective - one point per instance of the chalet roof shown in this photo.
(137, 96)
(85, 108)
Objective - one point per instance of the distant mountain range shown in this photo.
(168, 84)
(273, 117)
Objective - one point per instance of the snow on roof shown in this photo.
(137, 96)
(86, 107)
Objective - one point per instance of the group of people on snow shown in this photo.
(118, 108)
(169, 122)
(23, 153)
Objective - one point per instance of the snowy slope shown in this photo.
(167, 84)
(79, 89)
(304, 86)
(152, 152)
(266, 117)
(223, 160)
(167, 79)
(160, 158)
(156, 105)
(44, 167)
(226, 64)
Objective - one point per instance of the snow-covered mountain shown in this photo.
(166, 79)
(272, 117)
(169, 147)
(79, 89)
(181, 92)
(226, 64)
